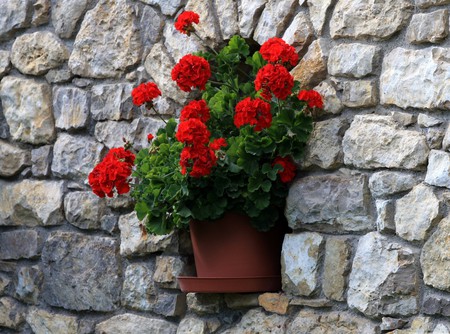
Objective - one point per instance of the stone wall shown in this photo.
(369, 250)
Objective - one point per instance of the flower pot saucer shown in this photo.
(229, 284)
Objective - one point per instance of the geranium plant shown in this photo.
(233, 148)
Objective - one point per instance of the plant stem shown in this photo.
(204, 43)
(159, 115)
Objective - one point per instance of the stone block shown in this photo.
(168, 268)
(20, 244)
(385, 183)
(12, 313)
(359, 94)
(227, 15)
(274, 302)
(204, 303)
(14, 159)
(29, 284)
(42, 321)
(438, 171)
(71, 107)
(208, 30)
(84, 209)
(112, 102)
(318, 11)
(385, 215)
(353, 60)
(170, 304)
(250, 11)
(131, 323)
(41, 159)
(15, 16)
(428, 27)
(66, 14)
(138, 290)
(331, 102)
(257, 321)
(336, 267)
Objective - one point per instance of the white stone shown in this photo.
(426, 121)
(112, 102)
(438, 171)
(70, 107)
(300, 33)
(385, 215)
(227, 14)
(331, 102)
(249, 11)
(428, 27)
(208, 28)
(318, 11)
(179, 45)
(14, 15)
(386, 183)
(13, 159)
(168, 7)
(353, 60)
(430, 3)
(358, 94)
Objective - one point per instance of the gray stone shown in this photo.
(168, 7)
(75, 156)
(151, 25)
(138, 290)
(108, 41)
(385, 215)
(336, 267)
(227, 14)
(318, 11)
(383, 280)
(329, 202)
(208, 28)
(309, 321)
(109, 223)
(4, 127)
(419, 325)
(315, 303)
(133, 242)
(81, 272)
(168, 268)
(428, 27)
(70, 107)
(426, 121)
(29, 284)
(434, 137)
(435, 257)
(41, 159)
(257, 321)
(12, 313)
(416, 213)
(331, 103)
(4, 284)
(82, 82)
(388, 323)
(324, 148)
(204, 303)
(403, 118)
(170, 304)
(434, 304)
(413, 78)
(42, 321)
(446, 140)
(300, 33)
(8, 266)
(31, 203)
(20, 244)
(353, 60)
(359, 94)
(130, 323)
(27, 106)
(111, 102)
(14, 15)
(385, 183)
(273, 19)
(392, 147)
(41, 12)
(124, 201)
(38, 52)
(84, 209)
(238, 301)
(361, 19)
(249, 12)
(5, 62)
(58, 76)
(438, 171)
(192, 325)
(178, 45)
(146, 125)
(430, 3)
(441, 329)
(66, 14)
(300, 257)
(14, 159)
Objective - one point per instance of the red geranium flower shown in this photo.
(313, 98)
(150, 137)
(275, 50)
(191, 71)
(185, 20)
(276, 80)
(253, 112)
(195, 109)
(218, 143)
(288, 172)
(198, 159)
(193, 131)
(145, 93)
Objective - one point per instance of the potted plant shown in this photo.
(229, 160)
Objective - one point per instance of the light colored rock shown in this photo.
(388, 323)
(14, 15)
(419, 325)
(208, 29)
(318, 11)
(12, 313)
(66, 14)
(31, 203)
(75, 156)
(58, 76)
(256, 321)
(361, 19)
(108, 41)
(300, 33)
(385, 215)
(168, 268)
(14, 159)
(70, 107)
(329, 202)
(413, 78)
(403, 118)
(383, 280)
(416, 213)
(361, 93)
(151, 27)
(392, 147)
(428, 27)
(130, 323)
(202, 304)
(168, 7)
(312, 68)
(438, 171)
(41, 12)
(385, 183)
(331, 103)
(273, 20)
(25, 244)
(426, 121)
(324, 148)
(353, 60)
(300, 262)
(178, 45)
(274, 302)
(249, 12)
(42, 321)
(435, 257)
(138, 290)
(227, 14)
(29, 283)
(41, 159)
(27, 106)
(84, 209)
(336, 267)
(111, 101)
(5, 62)
(446, 140)
(192, 325)
(430, 3)
(434, 137)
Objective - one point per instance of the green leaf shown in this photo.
(266, 185)
(141, 209)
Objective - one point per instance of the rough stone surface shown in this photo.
(336, 267)
(75, 156)
(312, 68)
(41, 159)
(208, 30)
(38, 52)
(419, 325)
(331, 202)
(14, 159)
(446, 140)
(359, 94)
(27, 106)
(385, 183)
(11, 313)
(29, 284)
(413, 78)
(138, 290)
(434, 304)
(256, 321)
(435, 257)
(168, 268)
(5, 62)
(41, 12)
(315, 303)
(66, 14)
(434, 137)
(179, 45)
(192, 325)
(70, 107)
(84, 209)
(131, 323)
(426, 121)
(331, 103)
(391, 148)
(58, 76)
(428, 27)
(108, 41)
(19, 244)
(300, 33)
(81, 272)
(112, 133)
(31, 203)
(5, 282)
(168, 7)
(111, 102)
(361, 19)
(388, 323)
(353, 60)
(13, 16)
(385, 215)
(42, 321)
(227, 14)
(300, 262)
(318, 11)
(430, 3)
(204, 303)
(249, 12)
(170, 304)
(416, 213)
(274, 302)
(438, 171)
(151, 26)
(383, 280)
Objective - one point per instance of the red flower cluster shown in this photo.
(253, 112)
(200, 158)
(275, 50)
(112, 172)
(276, 80)
(191, 71)
(312, 97)
(288, 172)
(185, 20)
(145, 93)
(195, 109)
(218, 143)
(193, 131)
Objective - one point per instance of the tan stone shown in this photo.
(336, 267)
(274, 302)
(42, 321)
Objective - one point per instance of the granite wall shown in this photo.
(369, 250)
